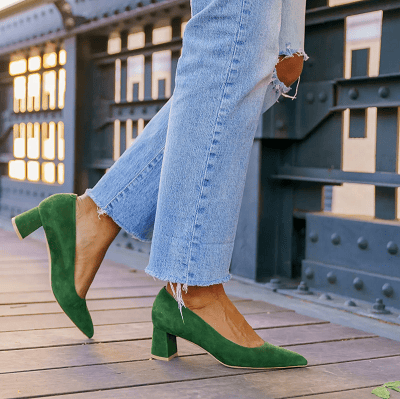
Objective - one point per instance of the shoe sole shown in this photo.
(226, 365)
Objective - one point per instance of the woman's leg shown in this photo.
(229, 53)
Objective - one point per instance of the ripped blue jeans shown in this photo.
(180, 184)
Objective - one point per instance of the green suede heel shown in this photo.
(167, 324)
(163, 345)
(57, 216)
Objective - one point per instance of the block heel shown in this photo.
(26, 223)
(163, 345)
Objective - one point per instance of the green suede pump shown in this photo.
(57, 216)
(167, 325)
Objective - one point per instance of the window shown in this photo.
(39, 84)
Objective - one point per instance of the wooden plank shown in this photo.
(35, 282)
(29, 338)
(102, 353)
(362, 393)
(273, 383)
(312, 333)
(244, 306)
(93, 294)
(122, 316)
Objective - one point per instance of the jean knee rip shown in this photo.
(178, 295)
(279, 86)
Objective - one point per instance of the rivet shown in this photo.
(313, 236)
(274, 284)
(350, 302)
(384, 91)
(387, 290)
(379, 307)
(331, 277)
(310, 98)
(309, 273)
(362, 243)
(392, 248)
(303, 289)
(358, 283)
(66, 7)
(69, 22)
(326, 297)
(353, 93)
(335, 238)
(322, 96)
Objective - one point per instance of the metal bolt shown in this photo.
(358, 283)
(69, 22)
(350, 302)
(331, 277)
(335, 238)
(362, 243)
(66, 7)
(384, 91)
(379, 307)
(353, 93)
(274, 284)
(309, 273)
(310, 98)
(392, 248)
(313, 236)
(322, 96)
(325, 296)
(387, 290)
(303, 289)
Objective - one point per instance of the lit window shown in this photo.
(17, 67)
(48, 172)
(49, 90)
(114, 43)
(33, 170)
(60, 173)
(140, 126)
(61, 141)
(62, 82)
(33, 137)
(62, 57)
(136, 40)
(20, 94)
(135, 78)
(34, 63)
(117, 80)
(48, 140)
(19, 140)
(49, 60)
(16, 169)
(183, 26)
(117, 139)
(161, 74)
(129, 133)
(162, 35)
(33, 92)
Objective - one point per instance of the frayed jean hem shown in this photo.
(101, 211)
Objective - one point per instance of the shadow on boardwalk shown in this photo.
(43, 354)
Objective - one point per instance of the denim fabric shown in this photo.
(180, 184)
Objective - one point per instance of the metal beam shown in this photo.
(336, 177)
(97, 25)
(324, 15)
(22, 6)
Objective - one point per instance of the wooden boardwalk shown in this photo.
(42, 354)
